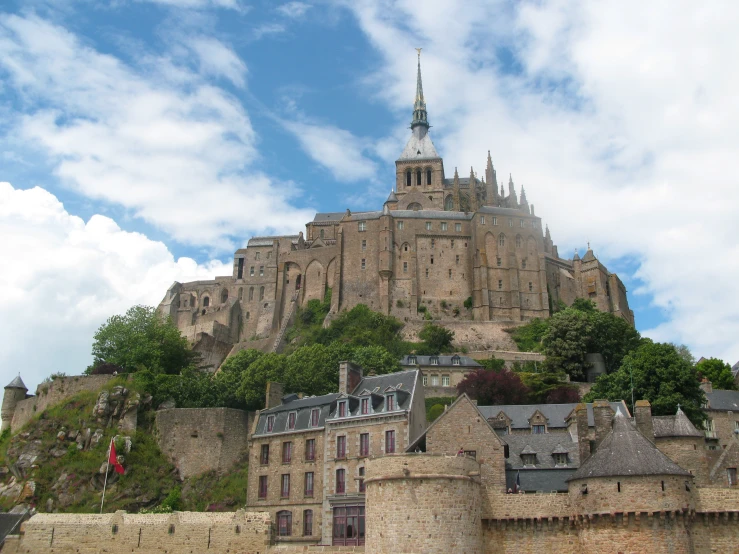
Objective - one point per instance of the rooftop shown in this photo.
(556, 414)
(442, 361)
(723, 400)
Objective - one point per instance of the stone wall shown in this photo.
(230, 532)
(531, 536)
(197, 440)
(652, 493)
(49, 394)
(656, 534)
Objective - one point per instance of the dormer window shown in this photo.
(434, 360)
(365, 406)
(456, 360)
(390, 402)
(560, 459)
(538, 429)
(342, 409)
(528, 459)
(314, 414)
(291, 417)
(270, 423)
(412, 359)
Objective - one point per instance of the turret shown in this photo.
(392, 201)
(473, 191)
(512, 199)
(491, 183)
(455, 190)
(524, 202)
(15, 391)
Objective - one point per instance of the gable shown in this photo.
(460, 424)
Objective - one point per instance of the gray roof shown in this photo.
(544, 446)
(10, 524)
(392, 197)
(328, 217)
(723, 400)
(402, 381)
(303, 407)
(419, 149)
(626, 452)
(443, 361)
(430, 214)
(674, 426)
(556, 414)
(589, 256)
(546, 480)
(267, 241)
(16, 383)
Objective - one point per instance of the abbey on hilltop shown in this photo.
(459, 248)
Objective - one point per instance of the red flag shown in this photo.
(113, 459)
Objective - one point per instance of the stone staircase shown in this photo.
(286, 321)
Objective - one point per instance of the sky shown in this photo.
(143, 141)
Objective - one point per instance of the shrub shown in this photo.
(455, 311)
(400, 303)
(435, 411)
(468, 303)
(422, 309)
(444, 305)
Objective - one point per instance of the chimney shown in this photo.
(706, 385)
(603, 417)
(581, 421)
(349, 377)
(275, 391)
(643, 413)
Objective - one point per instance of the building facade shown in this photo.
(458, 247)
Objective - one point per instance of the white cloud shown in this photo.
(268, 29)
(294, 10)
(200, 4)
(157, 139)
(619, 118)
(219, 60)
(63, 277)
(336, 149)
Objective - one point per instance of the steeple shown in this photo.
(512, 200)
(472, 206)
(492, 183)
(419, 125)
(524, 202)
(455, 191)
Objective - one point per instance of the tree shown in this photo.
(549, 388)
(254, 378)
(492, 363)
(528, 337)
(660, 375)
(375, 359)
(684, 353)
(435, 411)
(613, 337)
(141, 339)
(718, 372)
(437, 339)
(584, 305)
(314, 369)
(494, 387)
(566, 342)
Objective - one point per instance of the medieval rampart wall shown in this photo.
(49, 394)
(197, 440)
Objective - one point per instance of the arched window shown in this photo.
(261, 293)
(206, 302)
(501, 240)
(321, 233)
(241, 293)
(418, 177)
(449, 203)
(428, 177)
(284, 523)
(224, 296)
(251, 293)
(518, 241)
(415, 206)
(408, 178)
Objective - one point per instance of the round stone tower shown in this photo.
(632, 489)
(423, 503)
(14, 392)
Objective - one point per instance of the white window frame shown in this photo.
(400, 225)
(270, 425)
(445, 381)
(443, 226)
(362, 226)
(458, 227)
(482, 220)
(428, 226)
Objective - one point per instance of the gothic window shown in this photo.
(240, 273)
(261, 293)
(449, 203)
(408, 178)
(206, 302)
(428, 177)
(224, 296)
(418, 177)
(501, 240)
(414, 206)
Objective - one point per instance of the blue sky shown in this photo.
(143, 141)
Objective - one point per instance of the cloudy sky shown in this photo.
(142, 141)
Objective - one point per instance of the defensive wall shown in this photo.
(53, 392)
(197, 440)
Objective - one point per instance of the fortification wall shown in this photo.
(652, 493)
(197, 440)
(531, 536)
(528, 506)
(656, 534)
(231, 532)
(715, 533)
(49, 394)
(474, 335)
(408, 496)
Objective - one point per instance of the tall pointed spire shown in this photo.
(492, 183)
(420, 123)
(524, 202)
(512, 199)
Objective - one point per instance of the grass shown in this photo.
(212, 493)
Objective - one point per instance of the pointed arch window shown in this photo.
(408, 178)
(428, 177)
(418, 177)
(449, 203)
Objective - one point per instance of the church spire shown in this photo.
(419, 125)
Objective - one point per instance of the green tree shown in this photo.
(254, 379)
(141, 339)
(435, 411)
(613, 337)
(684, 353)
(718, 372)
(528, 337)
(314, 369)
(492, 363)
(584, 305)
(436, 340)
(660, 375)
(375, 358)
(546, 388)
(566, 343)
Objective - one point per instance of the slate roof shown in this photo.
(444, 361)
(328, 217)
(589, 256)
(555, 413)
(674, 426)
(723, 400)
(267, 241)
(419, 149)
(546, 480)
(10, 524)
(392, 197)
(303, 407)
(626, 452)
(16, 383)
(544, 446)
(430, 214)
(403, 382)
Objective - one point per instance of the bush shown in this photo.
(468, 303)
(444, 305)
(455, 311)
(422, 309)
(400, 303)
(435, 411)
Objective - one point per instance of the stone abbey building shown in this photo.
(437, 242)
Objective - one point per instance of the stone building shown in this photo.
(461, 248)
(441, 374)
(308, 455)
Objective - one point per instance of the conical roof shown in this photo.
(626, 452)
(16, 383)
(589, 256)
(392, 197)
(674, 426)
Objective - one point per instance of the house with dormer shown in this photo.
(308, 455)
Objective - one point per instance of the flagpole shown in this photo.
(107, 469)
